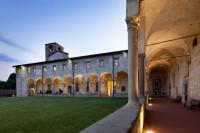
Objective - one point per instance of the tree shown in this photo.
(10, 83)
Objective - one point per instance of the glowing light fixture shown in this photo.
(125, 55)
(150, 131)
(150, 98)
(22, 67)
(150, 104)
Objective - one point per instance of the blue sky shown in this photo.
(82, 26)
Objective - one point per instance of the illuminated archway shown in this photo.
(68, 82)
(31, 87)
(79, 84)
(92, 83)
(48, 85)
(57, 84)
(122, 82)
(158, 81)
(106, 84)
(39, 85)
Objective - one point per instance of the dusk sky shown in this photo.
(82, 27)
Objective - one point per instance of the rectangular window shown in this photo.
(116, 61)
(88, 65)
(44, 68)
(101, 63)
(29, 69)
(54, 68)
(34, 69)
(64, 67)
(19, 70)
(75, 66)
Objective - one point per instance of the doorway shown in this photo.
(156, 87)
(186, 92)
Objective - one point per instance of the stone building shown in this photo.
(102, 74)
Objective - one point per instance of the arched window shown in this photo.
(59, 49)
(50, 48)
(194, 42)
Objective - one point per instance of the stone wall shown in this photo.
(194, 72)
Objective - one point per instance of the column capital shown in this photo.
(133, 21)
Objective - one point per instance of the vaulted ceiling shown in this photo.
(169, 20)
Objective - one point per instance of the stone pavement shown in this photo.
(166, 116)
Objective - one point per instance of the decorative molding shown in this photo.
(133, 21)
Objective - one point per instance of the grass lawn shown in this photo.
(53, 114)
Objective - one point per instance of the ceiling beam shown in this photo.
(170, 40)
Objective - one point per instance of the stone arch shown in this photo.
(68, 82)
(106, 84)
(121, 82)
(39, 85)
(79, 84)
(48, 85)
(92, 83)
(57, 85)
(158, 80)
(31, 87)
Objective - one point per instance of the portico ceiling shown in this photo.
(168, 20)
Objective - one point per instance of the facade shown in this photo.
(97, 75)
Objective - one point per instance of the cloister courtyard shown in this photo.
(53, 114)
(87, 82)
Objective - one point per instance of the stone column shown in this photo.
(141, 76)
(99, 87)
(132, 24)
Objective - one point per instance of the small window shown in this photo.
(101, 63)
(54, 68)
(44, 68)
(88, 65)
(64, 67)
(76, 66)
(29, 70)
(123, 89)
(19, 70)
(116, 61)
(194, 42)
(59, 49)
(34, 69)
(50, 48)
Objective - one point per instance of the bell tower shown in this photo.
(51, 49)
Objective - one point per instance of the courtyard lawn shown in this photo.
(54, 114)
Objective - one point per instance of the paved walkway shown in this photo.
(165, 116)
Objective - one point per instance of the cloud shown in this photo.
(11, 43)
(5, 58)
